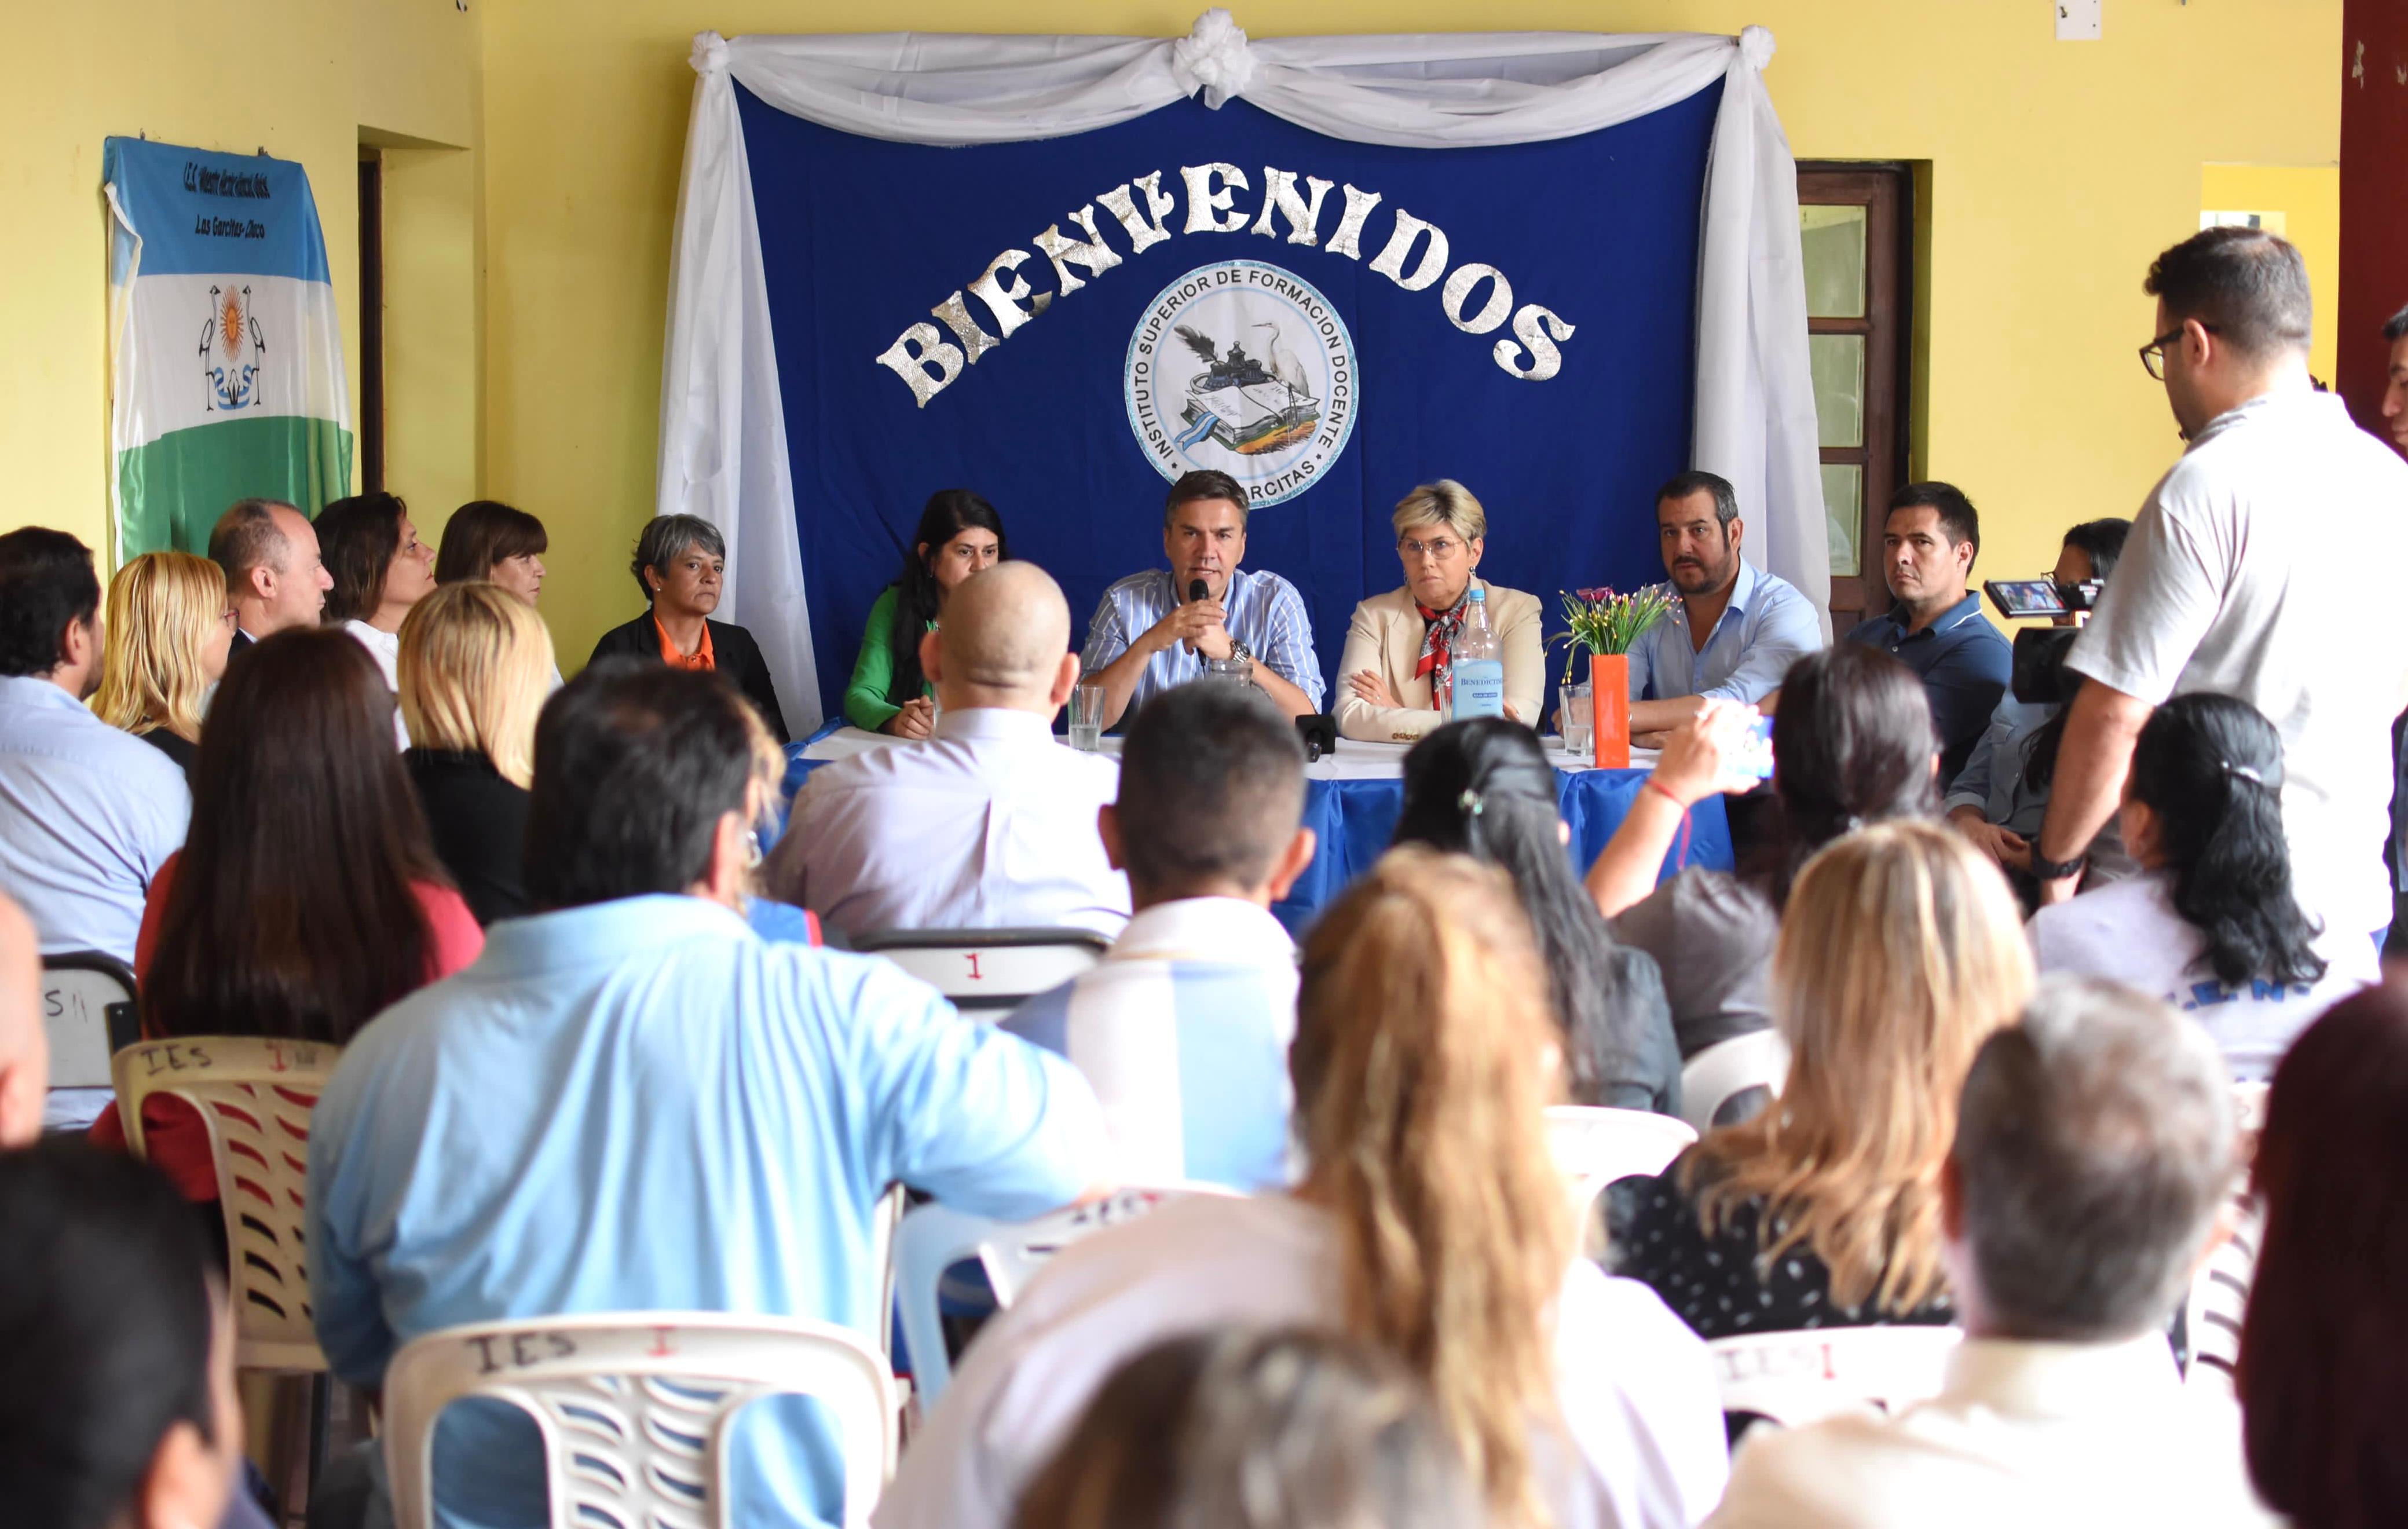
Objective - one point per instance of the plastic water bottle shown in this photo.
(1479, 663)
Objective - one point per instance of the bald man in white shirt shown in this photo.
(2094, 1150)
(991, 823)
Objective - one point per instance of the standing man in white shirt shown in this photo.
(1153, 631)
(88, 813)
(988, 825)
(2094, 1149)
(2262, 565)
(275, 578)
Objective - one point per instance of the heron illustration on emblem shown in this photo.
(232, 351)
(1248, 404)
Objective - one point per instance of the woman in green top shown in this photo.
(959, 535)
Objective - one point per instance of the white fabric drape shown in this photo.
(722, 429)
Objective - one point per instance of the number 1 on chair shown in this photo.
(971, 956)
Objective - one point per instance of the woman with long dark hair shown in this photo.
(2211, 924)
(307, 897)
(959, 534)
(380, 569)
(1852, 745)
(2324, 1398)
(1483, 788)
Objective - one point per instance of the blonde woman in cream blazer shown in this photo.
(1441, 532)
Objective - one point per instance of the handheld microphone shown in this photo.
(1196, 591)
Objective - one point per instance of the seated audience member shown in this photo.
(1430, 1225)
(681, 563)
(117, 1396)
(307, 898)
(88, 814)
(168, 630)
(2093, 1152)
(989, 824)
(2210, 925)
(1248, 1430)
(1899, 952)
(960, 534)
(476, 667)
(1184, 1028)
(24, 1043)
(380, 569)
(493, 1123)
(1998, 799)
(2324, 1400)
(1937, 628)
(1151, 632)
(1483, 787)
(1737, 629)
(274, 575)
(1399, 655)
(1851, 745)
(497, 543)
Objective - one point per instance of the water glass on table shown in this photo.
(1574, 718)
(1086, 717)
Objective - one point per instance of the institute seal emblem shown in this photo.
(1245, 367)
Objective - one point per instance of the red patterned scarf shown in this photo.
(1438, 645)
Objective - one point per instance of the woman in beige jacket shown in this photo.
(1398, 646)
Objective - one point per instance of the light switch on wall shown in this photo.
(2077, 21)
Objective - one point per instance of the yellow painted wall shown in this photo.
(2309, 196)
(302, 78)
(2058, 171)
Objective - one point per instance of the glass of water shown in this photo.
(1574, 718)
(1086, 717)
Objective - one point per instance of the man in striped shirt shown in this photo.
(1183, 1029)
(1149, 635)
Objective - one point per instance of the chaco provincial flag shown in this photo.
(226, 360)
(1066, 325)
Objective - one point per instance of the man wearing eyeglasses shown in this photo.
(1738, 628)
(2265, 565)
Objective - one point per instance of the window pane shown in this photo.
(1838, 363)
(1843, 515)
(1834, 240)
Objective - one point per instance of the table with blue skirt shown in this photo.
(1351, 801)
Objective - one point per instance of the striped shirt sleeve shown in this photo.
(1287, 638)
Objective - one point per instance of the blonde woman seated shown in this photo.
(1431, 1224)
(1399, 647)
(166, 635)
(1900, 951)
(475, 667)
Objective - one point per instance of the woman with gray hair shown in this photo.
(1399, 649)
(681, 563)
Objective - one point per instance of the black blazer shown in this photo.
(477, 822)
(733, 651)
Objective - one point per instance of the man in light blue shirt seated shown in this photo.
(88, 812)
(1737, 629)
(631, 1102)
(1155, 630)
(1184, 1028)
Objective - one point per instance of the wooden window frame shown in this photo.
(1887, 192)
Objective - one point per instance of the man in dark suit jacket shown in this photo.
(681, 565)
(274, 575)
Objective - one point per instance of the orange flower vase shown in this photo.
(1609, 690)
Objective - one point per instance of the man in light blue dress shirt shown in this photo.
(1737, 629)
(1149, 635)
(88, 812)
(1184, 1028)
(630, 1102)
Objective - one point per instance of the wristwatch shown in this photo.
(2056, 870)
(1239, 649)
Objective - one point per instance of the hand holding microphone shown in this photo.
(1200, 616)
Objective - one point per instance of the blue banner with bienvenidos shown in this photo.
(1066, 324)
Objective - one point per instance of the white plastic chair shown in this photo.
(1728, 1068)
(1793, 1379)
(2219, 1296)
(935, 1238)
(88, 1012)
(254, 1095)
(634, 1407)
(988, 968)
(1595, 1146)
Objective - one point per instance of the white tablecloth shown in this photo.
(1352, 762)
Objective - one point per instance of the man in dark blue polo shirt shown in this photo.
(1936, 628)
